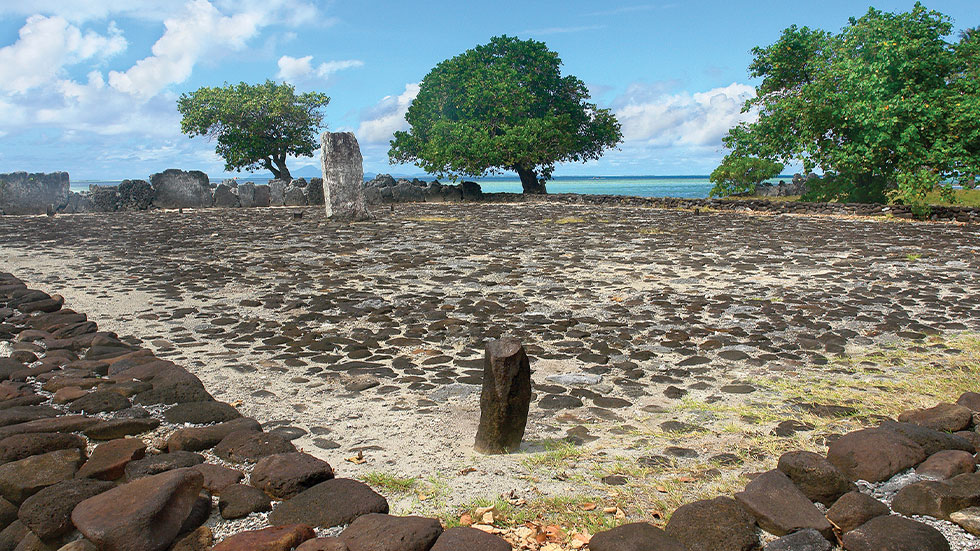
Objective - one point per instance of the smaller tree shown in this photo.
(256, 126)
(738, 174)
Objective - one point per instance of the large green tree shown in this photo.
(888, 105)
(256, 126)
(503, 106)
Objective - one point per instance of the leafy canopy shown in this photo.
(503, 106)
(256, 126)
(875, 105)
(741, 174)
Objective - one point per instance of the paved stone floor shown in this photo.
(369, 337)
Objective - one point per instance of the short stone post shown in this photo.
(506, 397)
(343, 177)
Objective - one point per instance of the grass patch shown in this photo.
(912, 257)
(572, 513)
(557, 454)
(389, 483)
(963, 198)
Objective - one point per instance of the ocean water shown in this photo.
(688, 187)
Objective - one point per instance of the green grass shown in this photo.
(557, 454)
(389, 483)
(964, 198)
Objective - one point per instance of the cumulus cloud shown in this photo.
(387, 117)
(46, 45)
(301, 68)
(652, 116)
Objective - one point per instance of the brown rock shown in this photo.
(276, 538)
(931, 440)
(719, 524)
(970, 400)
(120, 428)
(239, 500)
(506, 397)
(380, 532)
(23, 478)
(8, 513)
(79, 545)
(946, 464)
(894, 533)
(251, 446)
(284, 475)
(20, 446)
(335, 544)
(109, 459)
(938, 499)
(48, 512)
(331, 503)
(217, 477)
(100, 401)
(817, 478)
(145, 515)
(201, 412)
(68, 423)
(874, 454)
(156, 464)
(202, 438)
(854, 509)
(944, 417)
(68, 394)
(465, 538)
(12, 535)
(198, 540)
(638, 536)
(780, 507)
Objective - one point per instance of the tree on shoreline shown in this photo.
(256, 126)
(887, 105)
(741, 174)
(503, 106)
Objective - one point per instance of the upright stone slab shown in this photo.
(23, 193)
(176, 189)
(343, 177)
(506, 397)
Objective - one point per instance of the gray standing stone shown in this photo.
(343, 177)
(246, 194)
(23, 193)
(263, 196)
(174, 189)
(506, 397)
(277, 192)
(224, 197)
(294, 196)
(105, 198)
(314, 192)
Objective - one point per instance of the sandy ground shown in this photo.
(673, 312)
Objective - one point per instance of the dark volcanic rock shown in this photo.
(119, 428)
(218, 477)
(239, 500)
(379, 532)
(275, 538)
(98, 402)
(505, 398)
(109, 459)
(284, 475)
(23, 478)
(48, 512)
(175, 188)
(938, 499)
(946, 464)
(719, 524)
(201, 413)
(816, 477)
(20, 446)
(638, 536)
(931, 440)
(331, 503)
(470, 539)
(874, 454)
(23, 193)
(780, 507)
(854, 509)
(156, 464)
(329, 544)
(146, 514)
(804, 540)
(944, 417)
(894, 533)
(251, 446)
(202, 438)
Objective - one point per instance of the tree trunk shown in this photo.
(283, 171)
(272, 168)
(530, 182)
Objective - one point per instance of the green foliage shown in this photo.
(886, 96)
(503, 106)
(255, 126)
(738, 174)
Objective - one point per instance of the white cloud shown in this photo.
(301, 68)
(387, 117)
(653, 117)
(46, 45)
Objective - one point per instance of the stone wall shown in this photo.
(23, 193)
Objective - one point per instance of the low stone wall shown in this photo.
(163, 446)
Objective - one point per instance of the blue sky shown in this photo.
(90, 86)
